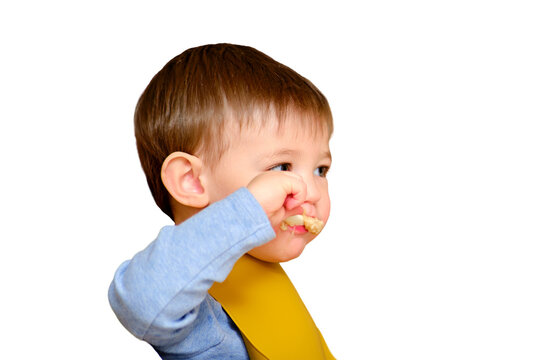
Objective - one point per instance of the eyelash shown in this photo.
(321, 171)
(274, 168)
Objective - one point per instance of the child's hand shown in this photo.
(278, 191)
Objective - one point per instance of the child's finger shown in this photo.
(271, 190)
(296, 191)
(291, 203)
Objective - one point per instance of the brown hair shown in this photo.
(186, 104)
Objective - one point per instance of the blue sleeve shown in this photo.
(156, 294)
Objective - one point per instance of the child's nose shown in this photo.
(313, 193)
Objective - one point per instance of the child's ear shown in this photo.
(181, 177)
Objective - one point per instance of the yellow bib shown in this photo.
(269, 312)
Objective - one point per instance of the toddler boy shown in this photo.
(235, 149)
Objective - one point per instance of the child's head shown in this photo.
(205, 97)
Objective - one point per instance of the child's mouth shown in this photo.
(296, 229)
(301, 224)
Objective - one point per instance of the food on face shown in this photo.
(312, 224)
(294, 220)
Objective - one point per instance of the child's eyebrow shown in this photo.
(293, 153)
(280, 153)
(327, 154)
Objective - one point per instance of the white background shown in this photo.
(433, 246)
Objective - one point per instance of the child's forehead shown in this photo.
(271, 139)
(262, 136)
(297, 125)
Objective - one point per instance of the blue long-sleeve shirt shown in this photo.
(160, 295)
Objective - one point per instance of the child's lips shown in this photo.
(298, 229)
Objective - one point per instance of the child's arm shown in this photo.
(157, 293)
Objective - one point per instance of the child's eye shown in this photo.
(321, 171)
(281, 167)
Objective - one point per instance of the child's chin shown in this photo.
(284, 248)
(294, 250)
(283, 255)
